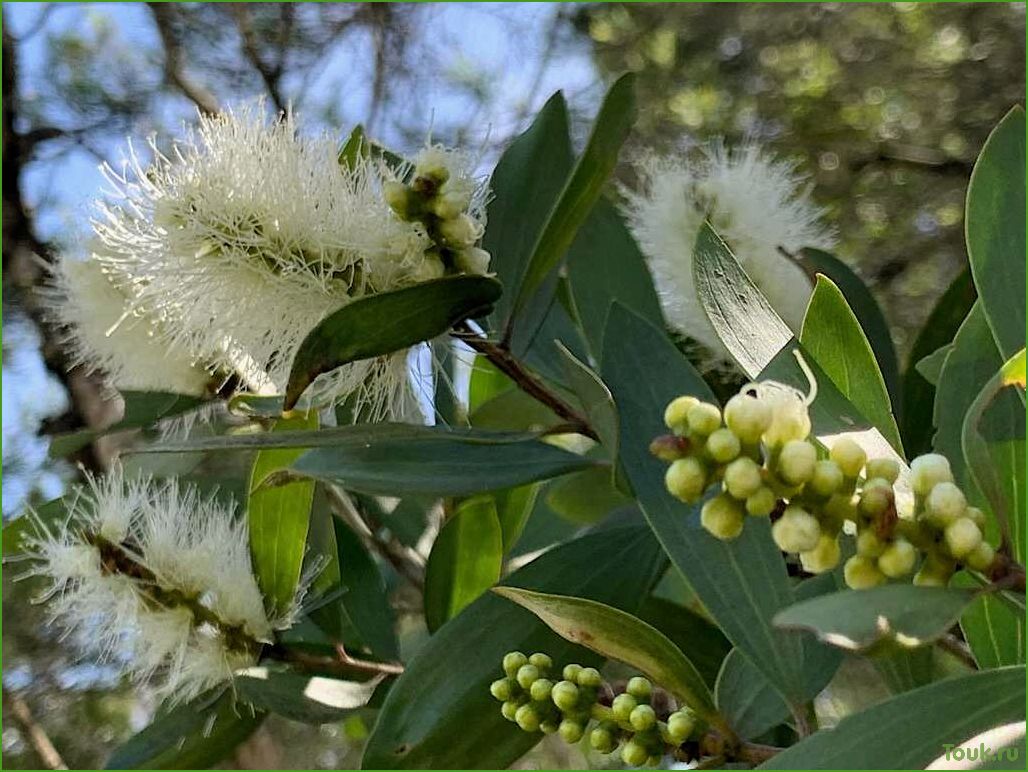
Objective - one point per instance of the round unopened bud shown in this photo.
(640, 688)
(509, 710)
(797, 461)
(634, 753)
(461, 231)
(761, 503)
(722, 516)
(704, 418)
(962, 537)
(849, 456)
(541, 661)
(642, 718)
(564, 695)
(502, 689)
(945, 504)
(603, 739)
(527, 675)
(743, 477)
(935, 571)
(796, 530)
(927, 471)
(861, 573)
(541, 689)
(824, 557)
(527, 718)
(887, 469)
(976, 516)
(839, 508)
(473, 260)
(875, 497)
(549, 726)
(676, 414)
(571, 731)
(898, 559)
(513, 662)
(623, 706)
(868, 543)
(451, 203)
(827, 478)
(748, 417)
(790, 420)
(433, 166)
(589, 676)
(396, 195)
(723, 445)
(680, 726)
(571, 671)
(981, 557)
(686, 479)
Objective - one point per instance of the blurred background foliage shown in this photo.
(884, 105)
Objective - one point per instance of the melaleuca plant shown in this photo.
(654, 434)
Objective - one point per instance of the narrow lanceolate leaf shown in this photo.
(910, 731)
(594, 397)
(742, 583)
(857, 620)
(196, 735)
(300, 696)
(583, 188)
(626, 638)
(389, 321)
(993, 630)
(746, 699)
(439, 713)
(832, 335)
(995, 228)
(279, 518)
(465, 561)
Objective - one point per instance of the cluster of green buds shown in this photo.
(763, 460)
(639, 720)
(442, 204)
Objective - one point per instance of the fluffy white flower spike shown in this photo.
(757, 205)
(158, 578)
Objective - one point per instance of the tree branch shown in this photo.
(174, 69)
(33, 732)
(270, 75)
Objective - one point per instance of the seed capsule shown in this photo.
(722, 516)
(849, 456)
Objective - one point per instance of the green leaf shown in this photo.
(465, 561)
(513, 508)
(585, 497)
(582, 190)
(858, 619)
(439, 713)
(832, 335)
(386, 322)
(909, 731)
(299, 696)
(526, 184)
(748, 701)
(930, 367)
(358, 144)
(995, 229)
(196, 735)
(701, 641)
(741, 583)
(142, 409)
(865, 307)
(918, 394)
(279, 518)
(605, 264)
(994, 632)
(595, 399)
(513, 410)
(906, 669)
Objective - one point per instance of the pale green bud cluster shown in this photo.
(581, 706)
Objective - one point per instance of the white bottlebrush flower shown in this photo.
(757, 204)
(156, 577)
(246, 235)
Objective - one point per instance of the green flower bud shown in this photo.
(875, 497)
(981, 557)
(602, 739)
(887, 469)
(623, 706)
(861, 573)
(743, 478)
(540, 690)
(461, 231)
(571, 731)
(397, 196)
(796, 530)
(589, 676)
(849, 456)
(976, 516)
(640, 688)
(722, 516)
(513, 662)
(450, 204)
(868, 543)
(686, 479)
(934, 572)
(723, 445)
(676, 415)
(898, 559)
(433, 168)
(839, 508)
(680, 726)
(761, 503)
(748, 417)
(826, 480)
(945, 504)
(549, 726)
(541, 661)
(704, 418)
(509, 710)
(962, 537)
(502, 689)
(643, 717)
(796, 462)
(565, 695)
(927, 471)
(527, 718)
(634, 753)
(790, 420)
(571, 672)
(527, 675)
(472, 260)
(824, 557)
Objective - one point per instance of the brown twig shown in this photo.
(174, 65)
(500, 356)
(756, 753)
(33, 732)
